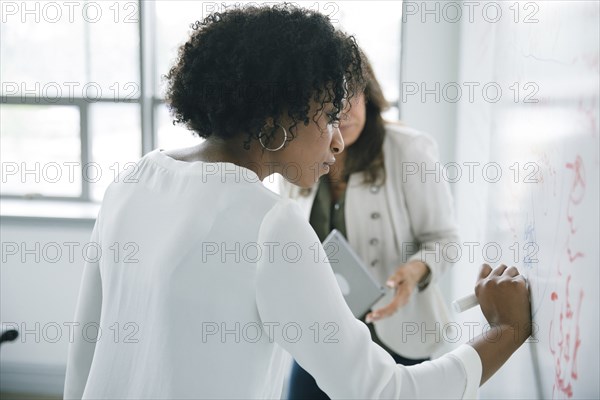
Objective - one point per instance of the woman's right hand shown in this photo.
(504, 299)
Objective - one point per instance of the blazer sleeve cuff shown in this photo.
(432, 259)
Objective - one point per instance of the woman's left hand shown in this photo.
(404, 280)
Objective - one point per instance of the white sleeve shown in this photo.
(299, 300)
(81, 351)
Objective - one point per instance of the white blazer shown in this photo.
(410, 217)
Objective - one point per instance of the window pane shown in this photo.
(40, 150)
(114, 50)
(382, 45)
(69, 49)
(173, 19)
(34, 56)
(115, 131)
(172, 136)
(391, 114)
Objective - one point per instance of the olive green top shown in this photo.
(325, 214)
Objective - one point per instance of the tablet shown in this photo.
(359, 288)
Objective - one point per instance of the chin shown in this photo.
(304, 184)
(307, 178)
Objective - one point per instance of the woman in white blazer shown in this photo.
(397, 218)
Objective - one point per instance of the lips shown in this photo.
(327, 164)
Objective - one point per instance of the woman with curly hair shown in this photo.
(228, 279)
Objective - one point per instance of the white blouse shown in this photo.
(206, 282)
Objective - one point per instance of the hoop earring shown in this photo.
(285, 136)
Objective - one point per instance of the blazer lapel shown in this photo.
(351, 207)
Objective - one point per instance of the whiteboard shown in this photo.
(543, 137)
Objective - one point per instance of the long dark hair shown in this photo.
(366, 154)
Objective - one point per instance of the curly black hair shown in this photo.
(244, 65)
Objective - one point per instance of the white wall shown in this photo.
(429, 57)
(39, 296)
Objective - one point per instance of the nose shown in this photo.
(337, 142)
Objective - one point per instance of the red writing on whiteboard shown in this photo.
(577, 190)
(565, 342)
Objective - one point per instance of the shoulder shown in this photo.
(284, 222)
(284, 209)
(400, 138)
(259, 200)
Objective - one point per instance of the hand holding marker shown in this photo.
(465, 303)
(469, 301)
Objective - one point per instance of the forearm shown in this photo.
(496, 346)
(418, 268)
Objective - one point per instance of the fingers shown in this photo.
(502, 270)
(400, 299)
(487, 273)
(511, 271)
(521, 279)
(484, 271)
(393, 281)
(382, 313)
(397, 278)
(498, 271)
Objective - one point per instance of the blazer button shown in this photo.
(375, 215)
(374, 241)
(336, 206)
(374, 189)
(374, 263)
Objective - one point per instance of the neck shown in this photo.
(233, 151)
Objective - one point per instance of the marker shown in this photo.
(465, 303)
(470, 301)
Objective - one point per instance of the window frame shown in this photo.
(148, 101)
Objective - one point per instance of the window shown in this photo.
(81, 91)
(70, 96)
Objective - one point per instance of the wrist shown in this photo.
(422, 274)
(512, 335)
(495, 346)
(519, 332)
